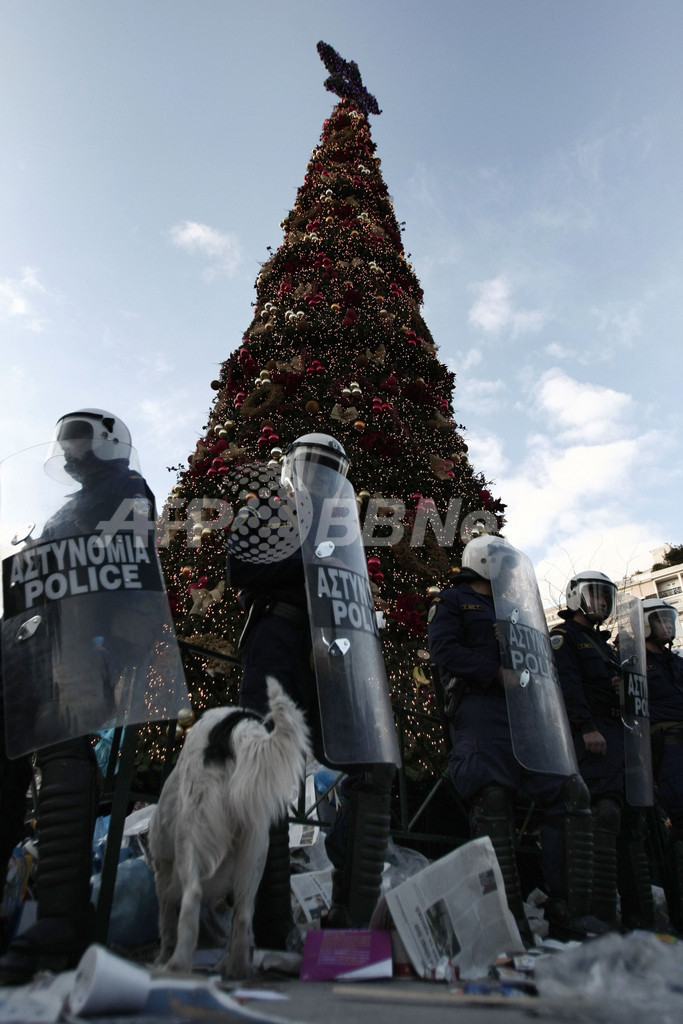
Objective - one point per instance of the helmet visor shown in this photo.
(597, 600)
(301, 458)
(662, 623)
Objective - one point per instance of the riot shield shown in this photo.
(87, 635)
(355, 710)
(541, 736)
(633, 701)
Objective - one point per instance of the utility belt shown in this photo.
(456, 688)
(260, 607)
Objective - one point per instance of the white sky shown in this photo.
(150, 148)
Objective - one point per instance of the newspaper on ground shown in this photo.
(312, 892)
(302, 835)
(453, 916)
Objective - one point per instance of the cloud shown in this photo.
(556, 351)
(426, 189)
(617, 549)
(464, 361)
(17, 297)
(582, 412)
(574, 508)
(167, 420)
(486, 450)
(494, 312)
(482, 396)
(157, 364)
(584, 494)
(623, 145)
(221, 248)
(620, 326)
(573, 216)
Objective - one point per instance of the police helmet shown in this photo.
(487, 555)
(661, 620)
(86, 437)
(593, 594)
(312, 448)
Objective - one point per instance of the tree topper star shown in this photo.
(345, 80)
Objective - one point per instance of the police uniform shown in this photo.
(483, 767)
(665, 698)
(276, 641)
(586, 665)
(276, 638)
(68, 796)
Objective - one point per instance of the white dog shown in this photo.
(209, 834)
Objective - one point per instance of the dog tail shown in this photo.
(269, 765)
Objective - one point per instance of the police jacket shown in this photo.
(586, 664)
(99, 500)
(462, 639)
(665, 686)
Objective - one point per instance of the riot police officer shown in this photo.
(278, 588)
(464, 641)
(90, 447)
(665, 692)
(589, 673)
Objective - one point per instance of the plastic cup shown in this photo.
(105, 983)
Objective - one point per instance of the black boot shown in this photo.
(635, 881)
(357, 883)
(569, 909)
(674, 895)
(606, 827)
(66, 816)
(15, 778)
(493, 816)
(273, 909)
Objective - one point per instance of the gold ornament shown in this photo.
(186, 717)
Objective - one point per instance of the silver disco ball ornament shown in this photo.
(269, 522)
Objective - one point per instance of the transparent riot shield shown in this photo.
(87, 635)
(541, 736)
(634, 702)
(355, 710)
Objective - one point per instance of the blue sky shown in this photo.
(150, 149)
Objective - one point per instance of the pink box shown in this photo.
(337, 954)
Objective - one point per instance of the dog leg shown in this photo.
(168, 910)
(188, 920)
(250, 859)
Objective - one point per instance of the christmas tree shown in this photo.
(336, 344)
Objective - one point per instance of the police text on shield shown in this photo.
(79, 565)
